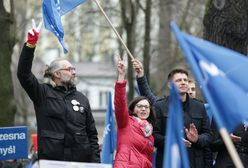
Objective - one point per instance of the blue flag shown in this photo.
(176, 155)
(52, 12)
(29, 165)
(109, 135)
(222, 75)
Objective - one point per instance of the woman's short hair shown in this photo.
(132, 104)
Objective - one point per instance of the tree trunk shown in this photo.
(226, 23)
(147, 39)
(163, 60)
(129, 14)
(21, 99)
(7, 41)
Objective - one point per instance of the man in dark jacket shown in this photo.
(208, 154)
(197, 128)
(65, 124)
(239, 138)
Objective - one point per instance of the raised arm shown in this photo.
(121, 109)
(24, 74)
(142, 81)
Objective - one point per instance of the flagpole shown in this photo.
(100, 7)
(230, 147)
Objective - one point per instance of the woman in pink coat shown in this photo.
(135, 142)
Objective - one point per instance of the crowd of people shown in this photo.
(66, 127)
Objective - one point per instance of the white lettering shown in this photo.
(12, 136)
(175, 156)
(106, 130)
(9, 150)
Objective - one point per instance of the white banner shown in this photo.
(64, 164)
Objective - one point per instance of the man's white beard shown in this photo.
(70, 82)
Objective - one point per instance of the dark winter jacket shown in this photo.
(194, 112)
(63, 132)
(223, 158)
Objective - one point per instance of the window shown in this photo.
(103, 98)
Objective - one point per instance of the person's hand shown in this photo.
(138, 68)
(121, 69)
(187, 143)
(235, 138)
(33, 34)
(192, 133)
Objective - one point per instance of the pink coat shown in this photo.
(134, 150)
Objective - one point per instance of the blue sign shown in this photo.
(13, 143)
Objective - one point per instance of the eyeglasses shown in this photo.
(70, 69)
(140, 106)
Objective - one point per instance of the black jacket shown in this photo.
(223, 158)
(63, 133)
(194, 112)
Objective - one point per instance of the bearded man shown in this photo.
(65, 125)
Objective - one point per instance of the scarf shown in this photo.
(145, 126)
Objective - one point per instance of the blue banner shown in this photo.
(109, 135)
(13, 143)
(222, 76)
(175, 155)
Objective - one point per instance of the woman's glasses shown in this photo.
(140, 106)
